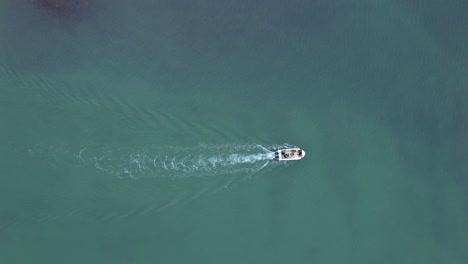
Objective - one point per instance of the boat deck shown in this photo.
(290, 154)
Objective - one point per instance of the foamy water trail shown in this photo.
(174, 175)
(172, 161)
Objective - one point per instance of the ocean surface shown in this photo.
(143, 132)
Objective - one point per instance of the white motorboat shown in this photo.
(290, 154)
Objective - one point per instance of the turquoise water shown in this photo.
(143, 132)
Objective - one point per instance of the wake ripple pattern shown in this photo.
(171, 161)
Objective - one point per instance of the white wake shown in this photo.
(172, 161)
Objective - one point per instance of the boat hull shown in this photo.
(290, 154)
